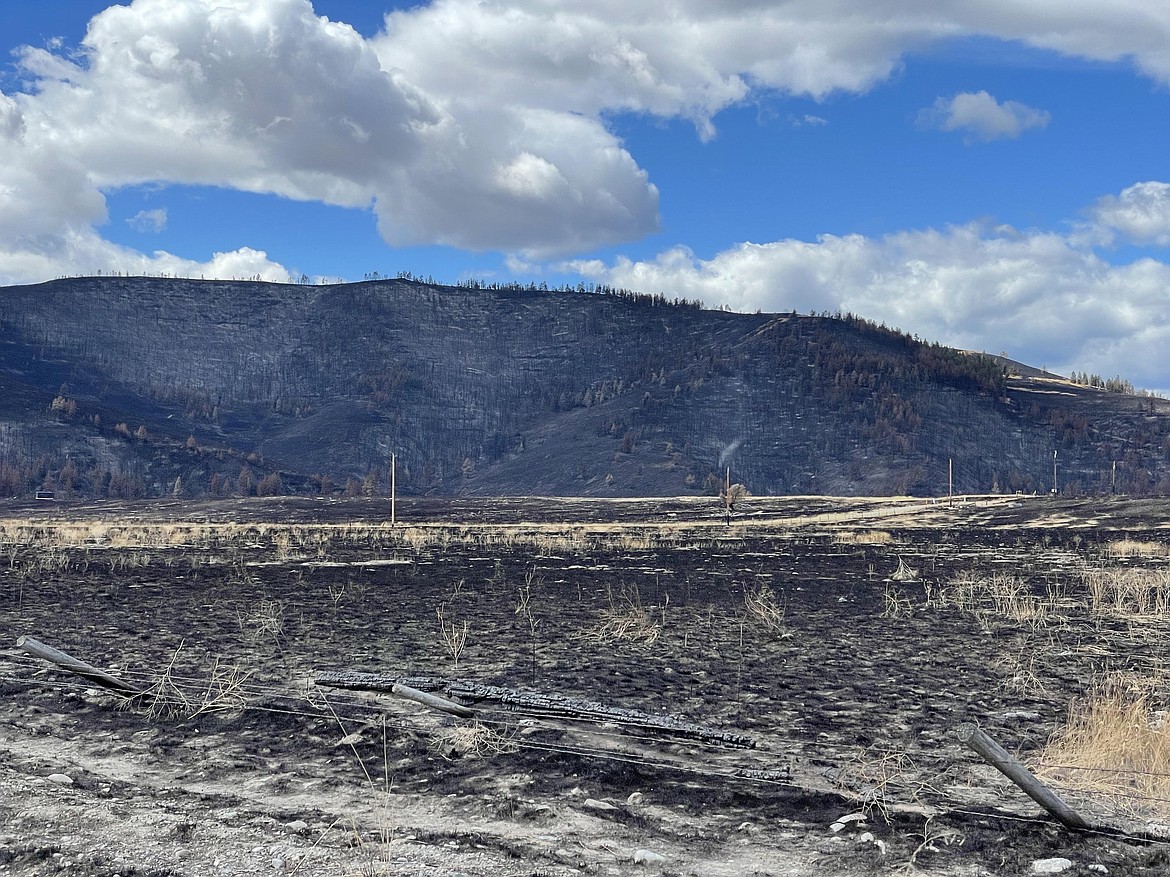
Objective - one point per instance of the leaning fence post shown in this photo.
(433, 701)
(1005, 763)
(68, 662)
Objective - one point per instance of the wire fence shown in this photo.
(342, 708)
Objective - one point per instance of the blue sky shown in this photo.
(988, 175)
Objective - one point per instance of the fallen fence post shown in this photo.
(433, 701)
(537, 703)
(80, 668)
(1005, 763)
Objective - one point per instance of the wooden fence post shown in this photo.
(433, 701)
(68, 662)
(1005, 763)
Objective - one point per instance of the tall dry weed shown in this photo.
(1114, 746)
(863, 537)
(1136, 548)
(1135, 593)
(625, 619)
(765, 611)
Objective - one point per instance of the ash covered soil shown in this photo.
(810, 625)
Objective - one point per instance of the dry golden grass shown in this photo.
(1138, 595)
(1133, 593)
(297, 541)
(855, 523)
(995, 595)
(1136, 548)
(863, 537)
(1116, 747)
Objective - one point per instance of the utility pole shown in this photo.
(950, 481)
(393, 488)
(1054, 473)
(727, 496)
(1113, 482)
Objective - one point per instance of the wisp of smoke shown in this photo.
(728, 452)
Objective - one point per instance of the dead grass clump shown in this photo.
(1132, 593)
(627, 620)
(764, 611)
(173, 696)
(453, 634)
(263, 623)
(634, 624)
(1136, 548)
(863, 537)
(882, 778)
(1023, 671)
(1116, 746)
(904, 572)
(996, 595)
(895, 604)
(476, 739)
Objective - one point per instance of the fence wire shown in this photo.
(338, 706)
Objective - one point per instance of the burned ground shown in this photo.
(828, 631)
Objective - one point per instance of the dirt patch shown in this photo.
(850, 686)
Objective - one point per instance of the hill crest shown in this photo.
(146, 386)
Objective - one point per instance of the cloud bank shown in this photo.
(475, 125)
(977, 287)
(483, 126)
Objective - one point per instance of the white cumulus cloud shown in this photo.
(266, 96)
(1139, 215)
(477, 125)
(982, 116)
(149, 220)
(1042, 296)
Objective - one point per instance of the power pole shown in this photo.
(393, 488)
(727, 496)
(1054, 473)
(950, 481)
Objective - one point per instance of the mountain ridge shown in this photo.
(135, 386)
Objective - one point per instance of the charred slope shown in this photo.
(140, 386)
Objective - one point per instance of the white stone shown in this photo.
(635, 799)
(594, 804)
(297, 826)
(1055, 865)
(1099, 868)
(855, 819)
(868, 838)
(60, 779)
(648, 857)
